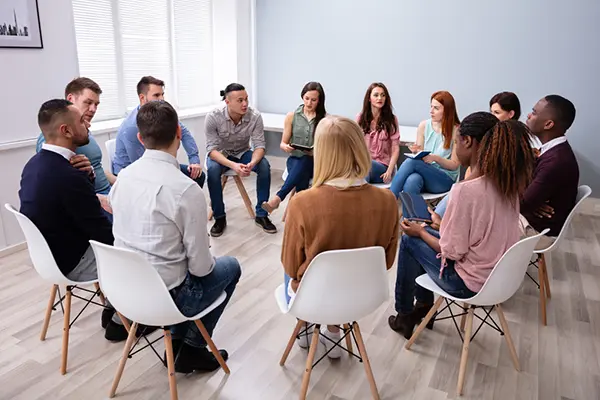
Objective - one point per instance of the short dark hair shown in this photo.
(51, 110)
(508, 101)
(78, 85)
(144, 84)
(157, 123)
(562, 110)
(232, 87)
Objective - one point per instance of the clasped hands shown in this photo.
(243, 170)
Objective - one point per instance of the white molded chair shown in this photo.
(240, 185)
(583, 192)
(327, 296)
(137, 291)
(45, 265)
(292, 193)
(502, 283)
(111, 149)
(432, 197)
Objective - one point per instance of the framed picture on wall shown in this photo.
(20, 24)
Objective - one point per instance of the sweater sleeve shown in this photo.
(390, 250)
(454, 232)
(82, 205)
(542, 187)
(292, 249)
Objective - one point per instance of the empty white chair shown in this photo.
(45, 265)
(137, 291)
(583, 192)
(111, 149)
(241, 188)
(503, 282)
(327, 295)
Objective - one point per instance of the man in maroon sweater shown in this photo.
(551, 195)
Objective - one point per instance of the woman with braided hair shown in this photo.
(462, 255)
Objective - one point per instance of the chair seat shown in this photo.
(281, 299)
(382, 185)
(229, 172)
(433, 196)
(426, 282)
(210, 308)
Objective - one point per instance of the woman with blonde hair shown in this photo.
(340, 211)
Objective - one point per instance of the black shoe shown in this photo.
(266, 224)
(218, 228)
(421, 310)
(403, 323)
(107, 314)
(115, 332)
(189, 359)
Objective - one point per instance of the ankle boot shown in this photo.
(403, 323)
(421, 310)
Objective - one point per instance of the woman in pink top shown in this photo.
(480, 224)
(380, 126)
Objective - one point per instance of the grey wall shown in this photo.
(471, 48)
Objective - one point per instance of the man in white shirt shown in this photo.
(161, 213)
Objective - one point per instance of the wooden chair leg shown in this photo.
(309, 361)
(463, 319)
(124, 321)
(211, 345)
(244, 194)
(66, 323)
(509, 342)
(465, 352)
(51, 299)
(128, 345)
(541, 281)
(100, 294)
(292, 193)
(348, 339)
(542, 264)
(424, 323)
(288, 348)
(170, 364)
(363, 354)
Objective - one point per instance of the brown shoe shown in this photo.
(403, 323)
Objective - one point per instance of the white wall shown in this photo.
(31, 77)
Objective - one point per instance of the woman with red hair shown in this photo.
(436, 172)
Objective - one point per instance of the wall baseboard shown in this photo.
(13, 249)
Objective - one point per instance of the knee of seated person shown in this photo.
(213, 168)
(233, 266)
(263, 166)
(413, 184)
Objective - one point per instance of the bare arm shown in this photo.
(286, 136)
(111, 178)
(420, 143)
(431, 240)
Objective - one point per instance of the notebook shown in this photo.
(414, 207)
(300, 147)
(417, 156)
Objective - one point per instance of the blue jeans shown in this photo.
(300, 172)
(286, 282)
(415, 258)
(199, 180)
(197, 293)
(415, 175)
(440, 209)
(377, 169)
(106, 213)
(263, 183)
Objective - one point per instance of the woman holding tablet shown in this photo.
(380, 127)
(297, 140)
(436, 169)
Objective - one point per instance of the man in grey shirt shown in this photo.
(229, 130)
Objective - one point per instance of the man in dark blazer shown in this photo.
(61, 201)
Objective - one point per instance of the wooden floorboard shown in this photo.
(559, 361)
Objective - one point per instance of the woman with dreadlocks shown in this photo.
(462, 255)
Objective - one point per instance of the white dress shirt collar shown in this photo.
(553, 143)
(161, 156)
(63, 151)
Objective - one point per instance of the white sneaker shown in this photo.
(304, 338)
(336, 352)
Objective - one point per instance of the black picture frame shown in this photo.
(28, 36)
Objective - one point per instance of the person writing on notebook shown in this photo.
(501, 162)
(356, 214)
(436, 172)
(299, 129)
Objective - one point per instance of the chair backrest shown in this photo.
(39, 251)
(134, 287)
(111, 149)
(583, 192)
(508, 274)
(342, 286)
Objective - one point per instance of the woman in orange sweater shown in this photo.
(340, 211)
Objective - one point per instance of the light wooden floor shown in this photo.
(560, 361)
